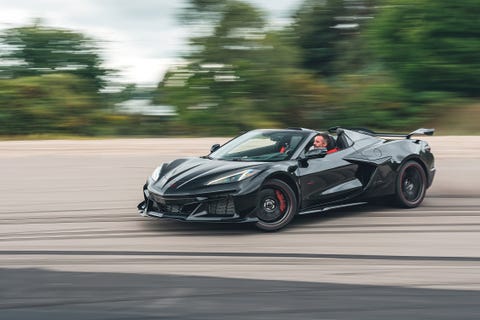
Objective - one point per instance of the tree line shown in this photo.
(371, 63)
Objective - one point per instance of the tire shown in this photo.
(276, 205)
(411, 185)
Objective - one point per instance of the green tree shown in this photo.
(239, 75)
(46, 104)
(328, 34)
(36, 50)
(430, 44)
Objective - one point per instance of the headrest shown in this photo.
(330, 142)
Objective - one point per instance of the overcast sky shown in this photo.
(139, 37)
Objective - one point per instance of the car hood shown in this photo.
(191, 174)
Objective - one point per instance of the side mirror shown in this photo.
(316, 153)
(214, 147)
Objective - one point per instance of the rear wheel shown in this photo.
(276, 205)
(411, 185)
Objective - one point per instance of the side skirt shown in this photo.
(331, 208)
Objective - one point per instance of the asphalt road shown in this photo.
(72, 245)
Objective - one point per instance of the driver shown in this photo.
(321, 141)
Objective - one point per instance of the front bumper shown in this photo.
(205, 208)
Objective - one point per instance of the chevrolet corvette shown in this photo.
(268, 176)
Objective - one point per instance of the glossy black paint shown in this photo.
(365, 167)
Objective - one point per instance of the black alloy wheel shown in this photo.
(276, 205)
(411, 185)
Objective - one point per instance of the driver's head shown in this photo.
(319, 142)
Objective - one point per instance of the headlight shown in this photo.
(156, 174)
(235, 177)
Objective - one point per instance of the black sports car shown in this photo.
(268, 176)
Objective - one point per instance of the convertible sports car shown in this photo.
(268, 176)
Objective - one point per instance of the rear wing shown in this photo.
(421, 131)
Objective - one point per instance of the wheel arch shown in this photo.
(417, 159)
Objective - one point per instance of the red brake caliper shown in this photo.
(281, 200)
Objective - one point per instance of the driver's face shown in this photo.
(319, 142)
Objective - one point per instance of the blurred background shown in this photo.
(71, 243)
(219, 67)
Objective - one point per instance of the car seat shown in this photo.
(282, 145)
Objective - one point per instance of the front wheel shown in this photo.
(411, 185)
(276, 205)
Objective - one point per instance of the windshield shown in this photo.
(260, 145)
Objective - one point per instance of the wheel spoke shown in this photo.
(276, 206)
(412, 187)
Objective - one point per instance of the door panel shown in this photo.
(328, 179)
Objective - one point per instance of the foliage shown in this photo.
(328, 34)
(241, 77)
(376, 101)
(36, 50)
(430, 44)
(340, 62)
(51, 103)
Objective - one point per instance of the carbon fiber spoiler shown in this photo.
(420, 131)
